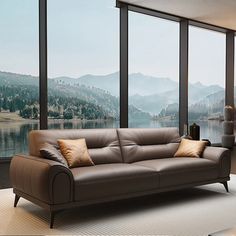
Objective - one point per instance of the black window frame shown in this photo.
(183, 58)
(124, 47)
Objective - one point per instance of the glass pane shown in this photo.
(153, 71)
(83, 51)
(19, 83)
(207, 81)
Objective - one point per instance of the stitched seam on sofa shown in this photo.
(190, 183)
(166, 171)
(112, 149)
(112, 179)
(183, 170)
(53, 180)
(221, 161)
(145, 175)
(137, 144)
(40, 200)
(157, 190)
(70, 177)
(25, 157)
(221, 164)
(45, 163)
(120, 146)
(104, 146)
(149, 167)
(118, 196)
(23, 171)
(30, 159)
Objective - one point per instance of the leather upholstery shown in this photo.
(51, 152)
(221, 156)
(42, 178)
(146, 144)
(184, 170)
(190, 148)
(128, 162)
(75, 152)
(105, 180)
(103, 144)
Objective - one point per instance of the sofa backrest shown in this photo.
(146, 144)
(103, 144)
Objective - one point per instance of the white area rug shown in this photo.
(190, 212)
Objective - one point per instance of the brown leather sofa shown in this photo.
(128, 163)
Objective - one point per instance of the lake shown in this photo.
(14, 135)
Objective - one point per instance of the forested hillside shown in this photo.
(20, 93)
(96, 97)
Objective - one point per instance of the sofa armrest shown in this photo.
(221, 156)
(46, 180)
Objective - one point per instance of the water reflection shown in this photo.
(153, 123)
(14, 135)
(54, 124)
(210, 129)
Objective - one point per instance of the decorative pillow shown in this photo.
(75, 152)
(190, 148)
(51, 152)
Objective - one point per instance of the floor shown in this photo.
(198, 211)
(189, 212)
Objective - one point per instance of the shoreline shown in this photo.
(10, 117)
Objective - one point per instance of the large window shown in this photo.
(83, 71)
(153, 71)
(19, 84)
(83, 53)
(207, 81)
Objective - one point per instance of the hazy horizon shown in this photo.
(104, 75)
(80, 43)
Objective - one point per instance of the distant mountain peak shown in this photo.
(137, 74)
(199, 84)
(114, 74)
(16, 74)
(62, 77)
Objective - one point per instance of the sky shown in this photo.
(83, 38)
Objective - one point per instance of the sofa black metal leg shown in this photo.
(226, 186)
(16, 200)
(52, 217)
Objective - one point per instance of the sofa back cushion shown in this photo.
(103, 144)
(146, 144)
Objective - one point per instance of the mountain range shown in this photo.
(148, 95)
(138, 83)
(20, 93)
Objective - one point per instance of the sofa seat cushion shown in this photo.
(107, 180)
(184, 170)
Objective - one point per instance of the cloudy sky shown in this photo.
(83, 38)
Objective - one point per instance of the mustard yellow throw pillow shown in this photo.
(75, 152)
(190, 148)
